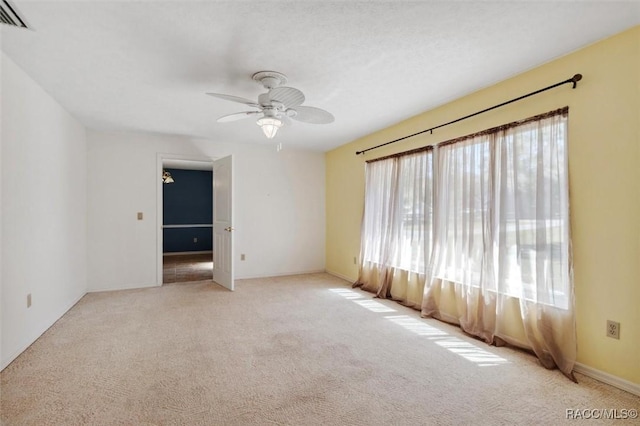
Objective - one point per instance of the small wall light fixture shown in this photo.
(166, 177)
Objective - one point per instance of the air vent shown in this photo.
(9, 15)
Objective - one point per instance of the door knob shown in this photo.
(229, 229)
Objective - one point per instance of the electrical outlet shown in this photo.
(139, 215)
(195, 240)
(613, 329)
(29, 300)
(242, 257)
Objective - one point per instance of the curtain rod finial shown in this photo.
(576, 78)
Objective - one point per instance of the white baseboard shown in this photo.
(45, 325)
(279, 274)
(123, 287)
(607, 378)
(335, 274)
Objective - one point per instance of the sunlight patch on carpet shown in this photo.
(366, 303)
(417, 326)
(471, 352)
(374, 306)
(346, 293)
(459, 347)
(467, 350)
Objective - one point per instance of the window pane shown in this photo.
(414, 238)
(533, 213)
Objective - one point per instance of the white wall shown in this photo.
(1, 121)
(278, 202)
(44, 207)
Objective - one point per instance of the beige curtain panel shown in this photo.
(476, 232)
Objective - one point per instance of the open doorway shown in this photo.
(221, 228)
(187, 221)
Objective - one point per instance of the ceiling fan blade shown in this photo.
(235, 99)
(312, 115)
(236, 116)
(288, 96)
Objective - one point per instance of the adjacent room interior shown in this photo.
(187, 221)
(383, 240)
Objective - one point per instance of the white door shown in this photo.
(223, 222)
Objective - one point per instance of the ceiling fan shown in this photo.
(277, 107)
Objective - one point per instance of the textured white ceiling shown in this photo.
(146, 65)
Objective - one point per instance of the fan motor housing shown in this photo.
(270, 79)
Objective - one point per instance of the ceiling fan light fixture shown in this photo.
(269, 126)
(277, 106)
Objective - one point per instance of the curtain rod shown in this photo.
(575, 79)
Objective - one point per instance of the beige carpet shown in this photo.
(300, 350)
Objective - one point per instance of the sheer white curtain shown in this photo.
(378, 223)
(462, 262)
(533, 236)
(476, 232)
(396, 227)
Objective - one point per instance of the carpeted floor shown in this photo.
(299, 350)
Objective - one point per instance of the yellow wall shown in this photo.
(604, 173)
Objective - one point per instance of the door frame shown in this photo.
(160, 159)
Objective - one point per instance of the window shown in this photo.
(398, 212)
(490, 210)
